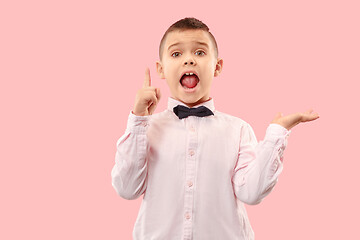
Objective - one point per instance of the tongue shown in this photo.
(189, 81)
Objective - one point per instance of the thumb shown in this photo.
(278, 115)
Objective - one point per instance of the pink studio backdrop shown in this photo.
(69, 73)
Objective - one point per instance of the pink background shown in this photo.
(69, 73)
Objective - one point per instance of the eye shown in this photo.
(201, 53)
(175, 54)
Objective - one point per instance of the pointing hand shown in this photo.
(147, 97)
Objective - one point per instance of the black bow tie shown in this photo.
(184, 112)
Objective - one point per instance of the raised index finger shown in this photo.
(147, 80)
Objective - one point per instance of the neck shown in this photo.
(190, 105)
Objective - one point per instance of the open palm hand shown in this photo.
(291, 120)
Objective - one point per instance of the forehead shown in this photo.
(192, 36)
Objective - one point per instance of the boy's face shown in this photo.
(189, 51)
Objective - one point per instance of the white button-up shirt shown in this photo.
(195, 173)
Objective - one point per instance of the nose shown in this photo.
(189, 61)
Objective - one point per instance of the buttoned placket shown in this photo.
(190, 166)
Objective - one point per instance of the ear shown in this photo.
(160, 69)
(219, 66)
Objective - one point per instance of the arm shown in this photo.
(129, 174)
(259, 164)
(130, 170)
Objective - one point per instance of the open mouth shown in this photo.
(189, 80)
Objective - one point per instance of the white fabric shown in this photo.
(195, 173)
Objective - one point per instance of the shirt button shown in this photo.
(187, 216)
(192, 129)
(190, 183)
(192, 152)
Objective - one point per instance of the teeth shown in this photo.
(189, 73)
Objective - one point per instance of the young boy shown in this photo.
(196, 166)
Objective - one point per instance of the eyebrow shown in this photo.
(179, 43)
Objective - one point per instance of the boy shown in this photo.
(196, 166)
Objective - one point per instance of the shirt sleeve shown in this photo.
(129, 173)
(259, 164)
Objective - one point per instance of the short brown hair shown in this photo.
(186, 24)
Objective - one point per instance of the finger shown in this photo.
(149, 89)
(310, 117)
(315, 116)
(147, 80)
(152, 108)
(153, 103)
(149, 97)
(158, 94)
(309, 111)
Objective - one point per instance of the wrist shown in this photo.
(281, 124)
(139, 113)
(137, 124)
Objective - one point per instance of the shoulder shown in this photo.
(229, 118)
(163, 117)
(239, 126)
(232, 123)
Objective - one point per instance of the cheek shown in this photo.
(171, 83)
(169, 72)
(211, 65)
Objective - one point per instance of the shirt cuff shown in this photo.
(278, 135)
(137, 124)
(277, 130)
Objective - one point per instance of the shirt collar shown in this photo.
(173, 103)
